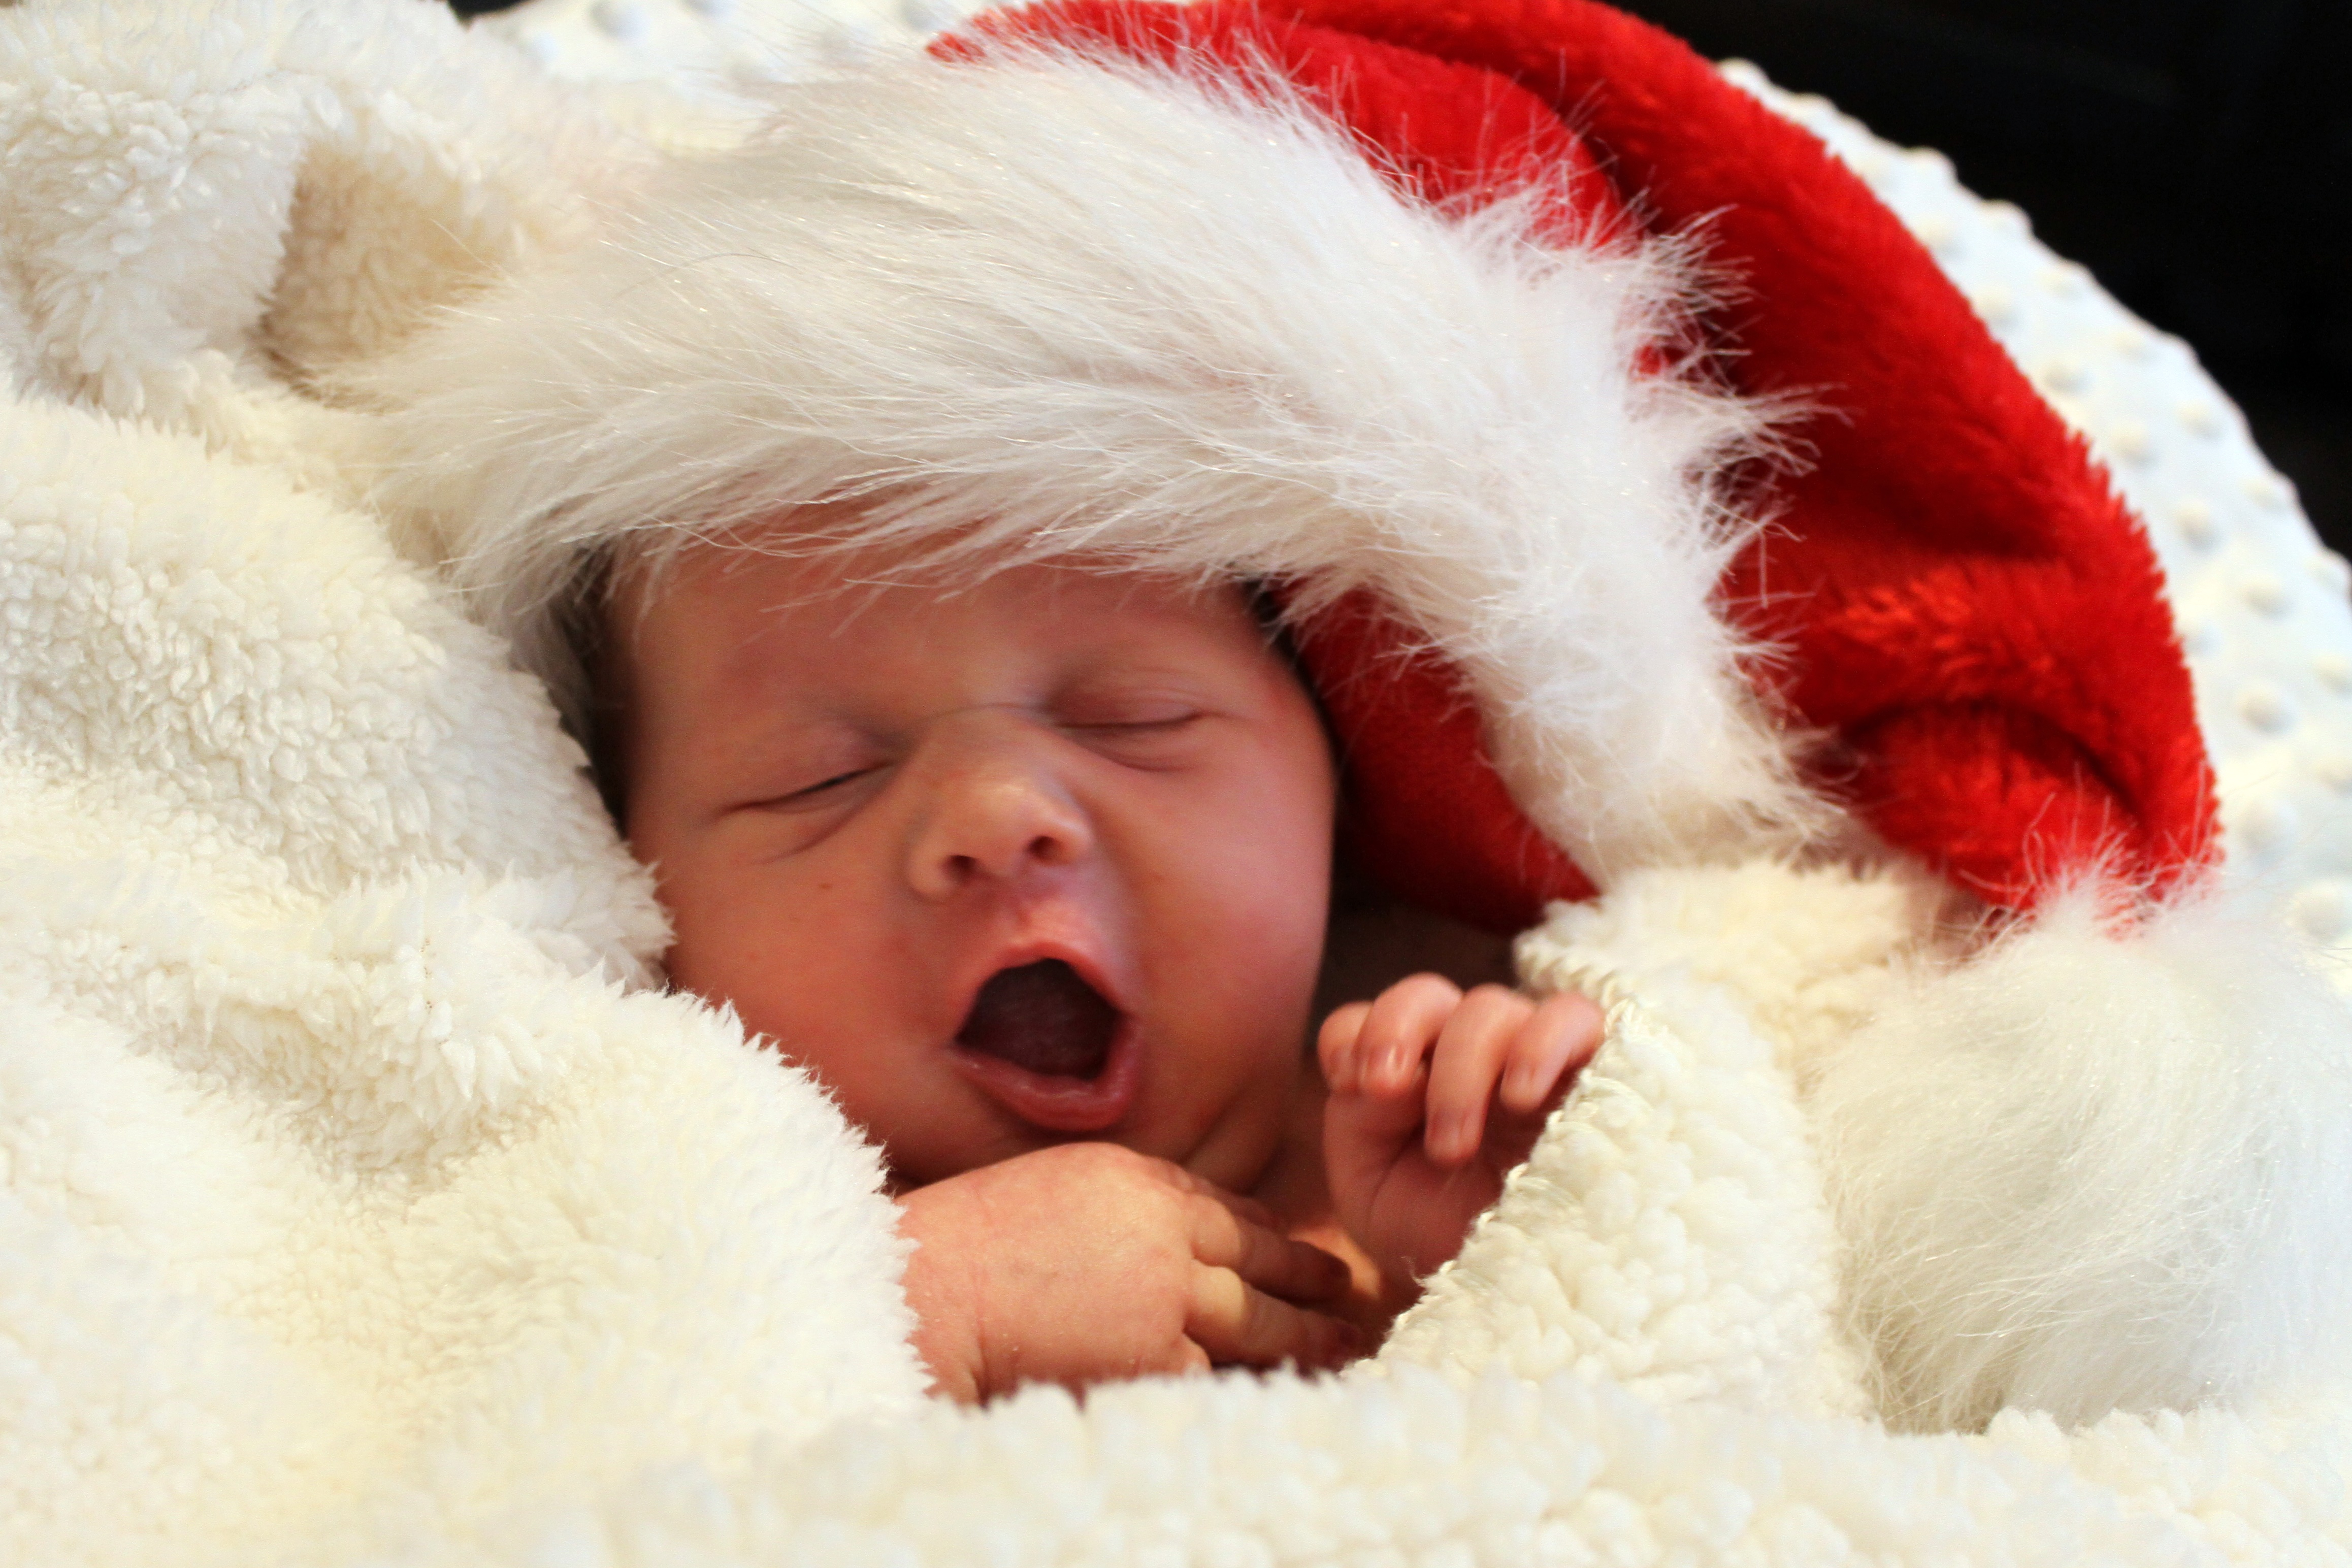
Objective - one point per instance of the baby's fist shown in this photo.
(1083, 1262)
(1434, 1097)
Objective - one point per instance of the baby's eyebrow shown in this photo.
(762, 724)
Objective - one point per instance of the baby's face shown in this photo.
(1044, 860)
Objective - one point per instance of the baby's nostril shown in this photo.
(1043, 1016)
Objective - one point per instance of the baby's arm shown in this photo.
(1435, 1096)
(1088, 1262)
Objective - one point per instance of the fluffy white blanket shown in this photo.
(361, 1201)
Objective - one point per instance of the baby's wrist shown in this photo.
(937, 1285)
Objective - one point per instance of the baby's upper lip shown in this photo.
(1088, 964)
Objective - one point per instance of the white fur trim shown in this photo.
(1109, 310)
(2095, 1169)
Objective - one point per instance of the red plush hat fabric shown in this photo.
(1963, 607)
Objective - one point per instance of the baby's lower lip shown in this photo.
(1056, 1103)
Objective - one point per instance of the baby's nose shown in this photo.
(996, 808)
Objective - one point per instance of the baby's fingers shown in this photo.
(1237, 1325)
(1556, 1041)
(1398, 1031)
(1226, 1239)
(1469, 1057)
(1335, 1047)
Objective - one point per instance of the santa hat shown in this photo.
(1638, 489)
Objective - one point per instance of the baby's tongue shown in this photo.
(1043, 1017)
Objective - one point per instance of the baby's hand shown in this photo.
(1434, 1097)
(1088, 1261)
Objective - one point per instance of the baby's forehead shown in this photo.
(745, 613)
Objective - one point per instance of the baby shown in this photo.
(1034, 876)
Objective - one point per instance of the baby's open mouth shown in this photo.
(1042, 1017)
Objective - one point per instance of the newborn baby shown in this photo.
(1034, 876)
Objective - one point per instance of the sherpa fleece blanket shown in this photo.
(362, 1199)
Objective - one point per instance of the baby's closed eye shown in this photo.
(1140, 727)
(818, 792)
(815, 789)
(1156, 723)
(816, 767)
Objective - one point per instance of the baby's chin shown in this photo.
(1243, 1148)
(1240, 1149)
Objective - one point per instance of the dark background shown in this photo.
(2195, 154)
